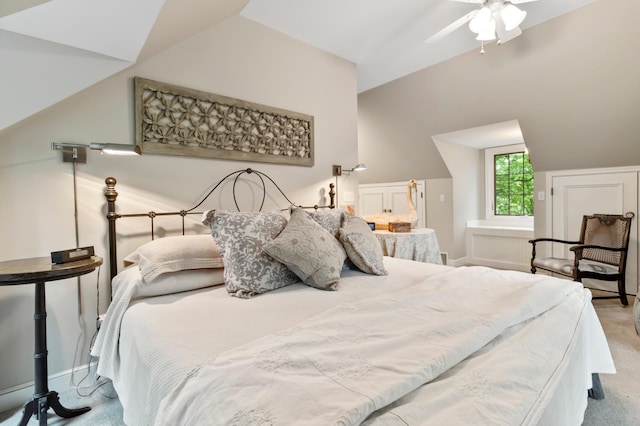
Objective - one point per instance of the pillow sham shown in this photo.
(241, 236)
(361, 245)
(177, 282)
(173, 254)
(308, 250)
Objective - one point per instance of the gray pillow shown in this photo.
(309, 250)
(361, 245)
(240, 237)
(330, 219)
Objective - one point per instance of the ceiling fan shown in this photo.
(493, 20)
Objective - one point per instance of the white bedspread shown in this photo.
(354, 359)
(496, 340)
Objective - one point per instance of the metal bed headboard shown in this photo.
(111, 194)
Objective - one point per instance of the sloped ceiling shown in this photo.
(385, 38)
(53, 49)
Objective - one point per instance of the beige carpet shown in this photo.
(621, 405)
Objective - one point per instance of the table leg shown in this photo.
(43, 399)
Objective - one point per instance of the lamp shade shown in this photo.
(512, 16)
(481, 21)
(359, 167)
(116, 149)
(489, 33)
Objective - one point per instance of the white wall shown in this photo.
(236, 58)
(467, 172)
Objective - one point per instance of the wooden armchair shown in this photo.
(600, 253)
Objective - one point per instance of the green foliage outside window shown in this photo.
(513, 185)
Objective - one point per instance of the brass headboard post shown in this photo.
(111, 194)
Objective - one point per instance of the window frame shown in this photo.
(489, 173)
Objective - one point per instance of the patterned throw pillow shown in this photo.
(309, 250)
(362, 246)
(241, 236)
(331, 219)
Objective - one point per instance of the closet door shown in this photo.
(607, 193)
(372, 200)
(391, 197)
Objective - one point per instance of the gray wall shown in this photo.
(573, 83)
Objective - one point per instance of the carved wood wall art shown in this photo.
(174, 120)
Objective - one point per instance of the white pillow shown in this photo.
(173, 254)
(176, 282)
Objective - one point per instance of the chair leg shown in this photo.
(622, 291)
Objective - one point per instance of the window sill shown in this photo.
(516, 225)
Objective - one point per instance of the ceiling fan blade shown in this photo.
(451, 27)
(475, 1)
(518, 1)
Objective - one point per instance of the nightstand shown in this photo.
(38, 271)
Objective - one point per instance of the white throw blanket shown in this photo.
(344, 364)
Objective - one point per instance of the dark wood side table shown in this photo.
(38, 271)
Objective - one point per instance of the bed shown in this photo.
(201, 331)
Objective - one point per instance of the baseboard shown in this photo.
(461, 261)
(16, 396)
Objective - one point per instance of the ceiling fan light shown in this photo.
(489, 34)
(481, 21)
(512, 16)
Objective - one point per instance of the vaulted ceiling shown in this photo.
(51, 49)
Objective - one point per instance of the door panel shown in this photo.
(392, 198)
(371, 201)
(612, 193)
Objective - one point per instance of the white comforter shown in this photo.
(341, 366)
(489, 343)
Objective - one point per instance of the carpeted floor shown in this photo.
(621, 406)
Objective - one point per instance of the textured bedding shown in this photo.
(425, 344)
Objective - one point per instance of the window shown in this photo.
(509, 183)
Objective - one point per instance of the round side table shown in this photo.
(38, 271)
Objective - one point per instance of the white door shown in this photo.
(372, 200)
(609, 193)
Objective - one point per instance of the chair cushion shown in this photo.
(554, 264)
(600, 268)
(565, 266)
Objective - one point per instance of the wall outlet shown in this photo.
(540, 195)
(349, 196)
(441, 197)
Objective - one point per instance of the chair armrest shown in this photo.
(592, 246)
(553, 240)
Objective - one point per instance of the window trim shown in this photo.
(489, 185)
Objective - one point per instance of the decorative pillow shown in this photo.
(309, 250)
(330, 219)
(172, 254)
(361, 245)
(248, 270)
